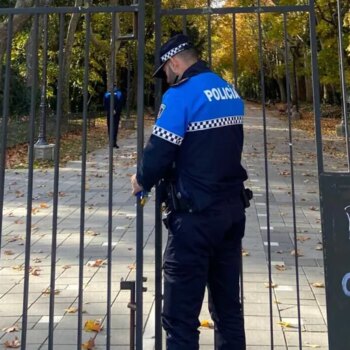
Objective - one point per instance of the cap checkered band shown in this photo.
(167, 135)
(174, 51)
(215, 123)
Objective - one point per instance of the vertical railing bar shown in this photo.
(83, 181)
(291, 155)
(30, 182)
(158, 214)
(5, 117)
(234, 37)
(209, 33)
(316, 86)
(55, 186)
(235, 74)
(110, 185)
(343, 81)
(263, 100)
(140, 142)
(184, 24)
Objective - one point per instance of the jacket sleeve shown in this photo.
(157, 161)
(163, 145)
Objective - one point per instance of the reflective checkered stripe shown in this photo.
(167, 135)
(215, 123)
(174, 51)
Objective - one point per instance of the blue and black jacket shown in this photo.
(197, 140)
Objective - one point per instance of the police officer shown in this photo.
(196, 146)
(118, 105)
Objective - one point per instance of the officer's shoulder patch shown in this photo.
(161, 110)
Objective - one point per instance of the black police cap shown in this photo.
(172, 47)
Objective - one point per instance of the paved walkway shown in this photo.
(256, 293)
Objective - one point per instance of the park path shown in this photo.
(256, 294)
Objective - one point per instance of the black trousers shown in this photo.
(204, 249)
(116, 119)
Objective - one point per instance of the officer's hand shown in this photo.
(136, 188)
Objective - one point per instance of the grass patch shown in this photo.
(70, 145)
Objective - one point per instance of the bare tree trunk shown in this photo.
(72, 27)
(18, 23)
(112, 71)
(282, 88)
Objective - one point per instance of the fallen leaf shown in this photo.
(314, 346)
(14, 328)
(44, 205)
(71, 310)
(313, 208)
(8, 252)
(298, 253)
(19, 222)
(132, 267)
(65, 267)
(318, 284)
(285, 324)
(207, 324)
(89, 345)
(13, 344)
(93, 326)
(272, 285)
(303, 238)
(280, 267)
(91, 233)
(319, 247)
(35, 210)
(37, 260)
(35, 271)
(47, 291)
(97, 263)
(280, 252)
(245, 252)
(14, 239)
(18, 267)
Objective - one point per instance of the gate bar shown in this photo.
(140, 145)
(64, 10)
(234, 41)
(229, 10)
(316, 86)
(209, 33)
(263, 101)
(343, 81)
(30, 183)
(5, 116)
(55, 185)
(83, 181)
(110, 182)
(235, 74)
(158, 214)
(291, 157)
(184, 24)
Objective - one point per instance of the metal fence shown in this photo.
(334, 188)
(332, 215)
(31, 179)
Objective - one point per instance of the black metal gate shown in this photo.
(334, 188)
(23, 200)
(38, 325)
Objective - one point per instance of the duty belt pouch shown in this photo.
(247, 195)
(176, 202)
